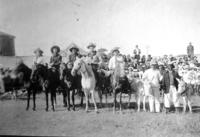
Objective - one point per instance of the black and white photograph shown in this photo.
(100, 68)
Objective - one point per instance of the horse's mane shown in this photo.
(87, 68)
(22, 68)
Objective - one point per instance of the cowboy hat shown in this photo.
(102, 50)
(38, 50)
(115, 49)
(55, 47)
(91, 45)
(130, 68)
(153, 62)
(73, 46)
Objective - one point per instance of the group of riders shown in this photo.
(156, 77)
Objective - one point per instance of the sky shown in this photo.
(158, 26)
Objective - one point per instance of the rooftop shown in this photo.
(3, 34)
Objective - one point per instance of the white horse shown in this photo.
(185, 92)
(88, 80)
(141, 90)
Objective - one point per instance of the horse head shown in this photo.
(181, 85)
(80, 66)
(22, 72)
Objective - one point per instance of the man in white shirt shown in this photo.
(113, 59)
(38, 60)
(153, 77)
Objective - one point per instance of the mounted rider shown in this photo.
(71, 58)
(92, 58)
(55, 62)
(117, 61)
(38, 61)
(56, 58)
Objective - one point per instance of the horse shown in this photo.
(103, 85)
(69, 84)
(185, 91)
(23, 72)
(120, 84)
(49, 80)
(88, 80)
(140, 89)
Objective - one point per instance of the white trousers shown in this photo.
(154, 102)
(171, 98)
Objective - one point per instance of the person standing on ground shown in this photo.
(153, 77)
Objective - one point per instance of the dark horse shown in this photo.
(70, 84)
(120, 84)
(23, 73)
(49, 80)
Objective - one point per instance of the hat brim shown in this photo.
(38, 51)
(93, 46)
(55, 47)
(73, 48)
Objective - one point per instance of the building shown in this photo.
(7, 44)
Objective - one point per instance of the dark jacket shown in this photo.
(166, 80)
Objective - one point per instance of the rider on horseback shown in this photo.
(38, 61)
(56, 58)
(93, 59)
(117, 62)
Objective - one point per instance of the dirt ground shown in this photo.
(15, 120)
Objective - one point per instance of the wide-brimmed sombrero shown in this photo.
(73, 46)
(38, 50)
(102, 50)
(153, 62)
(55, 47)
(91, 45)
(115, 49)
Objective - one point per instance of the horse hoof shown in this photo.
(73, 109)
(27, 109)
(86, 111)
(34, 109)
(68, 109)
(96, 111)
(46, 109)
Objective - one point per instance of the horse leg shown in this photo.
(106, 96)
(82, 94)
(55, 100)
(144, 103)
(34, 98)
(95, 105)
(100, 97)
(138, 101)
(189, 104)
(52, 99)
(114, 102)
(47, 100)
(73, 100)
(64, 98)
(184, 104)
(86, 100)
(129, 100)
(120, 103)
(28, 99)
(68, 100)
